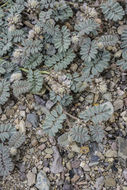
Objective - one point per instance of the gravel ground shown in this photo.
(93, 166)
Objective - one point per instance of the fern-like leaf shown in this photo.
(33, 61)
(60, 60)
(62, 11)
(6, 131)
(16, 140)
(107, 40)
(65, 100)
(20, 87)
(79, 134)
(86, 27)
(124, 39)
(35, 80)
(16, 35)
(88, 50)
(5, 44)
(96, 66)
(54, 121)
(123, 62)
(62, 39)
(97, 133)
(6, 164)
(4, 91)
(32, 46)
(112, 10)
(97, 114)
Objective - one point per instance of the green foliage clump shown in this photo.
(54, 121)
(112, 10)
(8, 141)
(57, 48)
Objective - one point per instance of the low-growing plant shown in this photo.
(41, 41)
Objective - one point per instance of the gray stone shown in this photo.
(49, 104)
(125, 174)
(111, 154)
(110, 182)
(122, 151)
(57, 166)
(42, 181)
(33, 119)
(99, 183)
(118, 104)
(30, 178)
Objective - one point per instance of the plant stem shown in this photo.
(4, 4)
(75, 118)
(25, 70)
(42, 72)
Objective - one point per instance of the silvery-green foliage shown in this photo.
(112, 10)
(107, 40)
(96, 66)
(98, 113)
(32, 46)
(20, 87)
(16, 140)
(4, 91)
(1, 17)
(63, 140)
(8, 67)
(16, 35)
(97, 133)
(17, 7)
(78, 84)
(86, 27)
(62, 11)
(49, 29)
(65, 100)
(54, 121)
(46, 4)
(123, 62)
(6, 131)
(89, 50)
(5, 44)
(79, 134)
(2, 70)
(35, 80)
(60, 60)
(62, 39)
(33, 61)
(44, 16)
(124, 39)
(6, 164)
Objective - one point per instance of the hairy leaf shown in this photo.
(62, 39)
(6, 131)
(4, 91)
(20, 87)
(35, 80)
(79, 134)
(97, 133)
(97, 114)
(6, 165)
(16, 140)
(112, 10)
(88, 50)
(54, 121)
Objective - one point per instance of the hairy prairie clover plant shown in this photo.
(59, 48)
